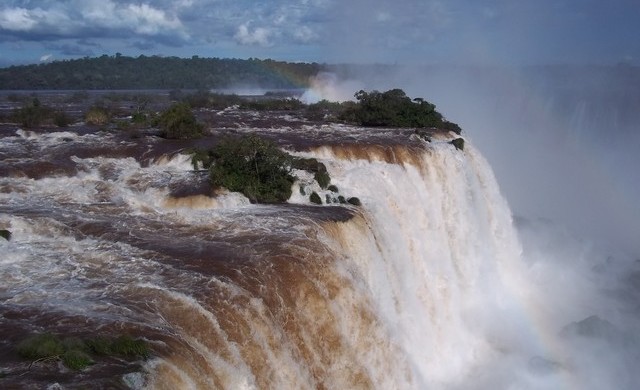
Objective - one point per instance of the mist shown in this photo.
(562, 140)
(547, 91)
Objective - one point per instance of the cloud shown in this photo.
(380, 30)
(305, 34)
(24, 20)
(453, 31)
(89, 19)
(16, 19)
(167, 24)
(46, 57)
(258, 36)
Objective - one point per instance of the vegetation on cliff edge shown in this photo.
(179, 122)
(253, 166)
(257, 168)
(394, 108)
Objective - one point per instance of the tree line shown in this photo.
(155, 72)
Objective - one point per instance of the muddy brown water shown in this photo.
(90, 250)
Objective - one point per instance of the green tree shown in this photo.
(32, 114)
(254, 166)
(394, 108)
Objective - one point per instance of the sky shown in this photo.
(513, 32)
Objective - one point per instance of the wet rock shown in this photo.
(424, 134)
(4, 233)
(458, 143)
(134, 380)
(354, 201)
(315, 198)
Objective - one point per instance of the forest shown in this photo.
(155, 72)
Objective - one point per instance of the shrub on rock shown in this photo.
(323, 179)
(4, 233)
(178, 122)
(394, 108)
(315, 198)
(97, 116)
(354, 201)
(253, 166)
(32, 114)
(458, 143)
(308, 164)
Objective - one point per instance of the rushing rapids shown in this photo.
(121, 236)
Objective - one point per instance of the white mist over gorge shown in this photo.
(562, 140)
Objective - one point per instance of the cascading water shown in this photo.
(423, 286)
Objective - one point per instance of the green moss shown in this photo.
(99, 345)
(76, 359)
(76, 353)
(130, 347)
(323, 179)
(333, 188)
(4, 233)
(74, 343)
(354, 201)
(40, 346)
(315, 198)
(121, 346)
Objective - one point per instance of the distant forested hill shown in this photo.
(121, 72)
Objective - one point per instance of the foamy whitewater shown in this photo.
(425, 286)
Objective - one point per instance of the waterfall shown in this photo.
(423, 286)
(384, 299)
